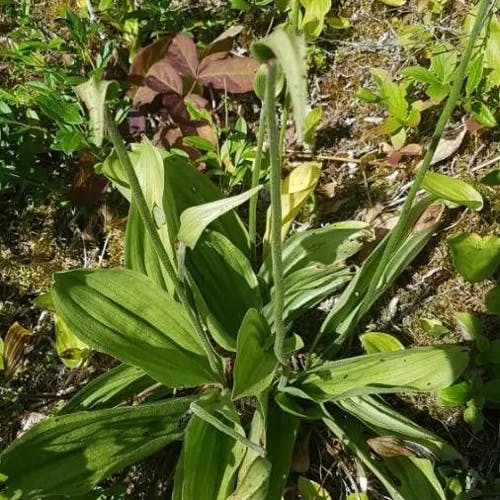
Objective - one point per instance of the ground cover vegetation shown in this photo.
(268, 305)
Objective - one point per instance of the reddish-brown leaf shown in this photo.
(145, 58)
(144, 95)
(87, 187)
(183, 56)
(199, 101)
(163, 77)
(176, 108)
(14, 344)
(233, 74)
(224, 42)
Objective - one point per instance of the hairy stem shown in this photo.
(252, 207)
(147, 218)
(276, 250)
(398, 233)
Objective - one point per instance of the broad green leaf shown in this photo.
(93, 94)
(473, 416)
(124, 314)
(472, 329)
(433, 327)
(224, 286)
(194, 220)
(398, 371)
(255, 360)
(373, 342)
(420, 74)
(492, 179)
(63, 112)
(69, 347)
(451, 189)
(310, 490)
(456, 394)
(67, 455)
(313, 19)
(255, 482)
(45, 302)
(290, 50)
(210, 459)
(282, 431)
(392, 94)
(384, 420)
(109, 389)
(493, 301)
(332, 244)
(296, 189)
(187, 187)
(140, 256)
(475, 257)
(308, 287)
(344, 316)
(483, 114)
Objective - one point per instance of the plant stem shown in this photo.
(284, 122)
(399, 231)
(252, 207)
(147, 218)
(276, 250)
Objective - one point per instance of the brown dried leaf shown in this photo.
(145, 58)
(447, 147)
(14, 344)
(234, 74)
(224, 42)
(389, 446)
(163, 77)
(144, 95)
(430, 217)
(183, 56)
(87, 188)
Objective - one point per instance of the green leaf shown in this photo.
(69, 347)
(444, 61)
(474, 74)
(224, 286)
(344, 316)
(194, 220)
(483, 114)
(451, 189)
(311, 123)
(394, 3)
(392, 94)
(475, 257)
(367, 95)
(67, 455)
(61, 111)
(492, 179)
(332, 244)
(473, 416)
(493, 301)
(255, 360)
(68, 141)
(254, 484)
(210, 459)
(456, 394)
(296, 189)
(420, 74)
(310, 490)
(93, 94)
(399, 371)
(124, 314)
(313, 19)
(109, 389)
(433, 327)
(290, 50)
(472, 329)
(373, 342)
(491, 390)
(384, 420)
(282, 431)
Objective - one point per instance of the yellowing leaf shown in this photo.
(69, 347)
(310, 490)
(374, 342)
(314, 16)
(394, 3)
(13, 349)
(295, 190)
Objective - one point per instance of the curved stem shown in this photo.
(399, 231)
(276, 250)
(252, 207)
(147, 218)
